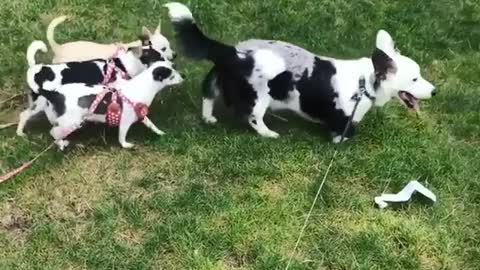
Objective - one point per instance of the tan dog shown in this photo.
(78, 51)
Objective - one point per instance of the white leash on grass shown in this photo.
(357, 98)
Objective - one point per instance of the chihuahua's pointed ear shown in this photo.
(385, 43)
(146, 32)
(145, 40)
(159, 27)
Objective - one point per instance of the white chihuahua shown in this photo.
(78, 51)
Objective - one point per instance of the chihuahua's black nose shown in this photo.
(183, 75)
(434, 92)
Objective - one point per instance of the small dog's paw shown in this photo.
(20, 133)
(211, 120)
(270, 134)
(127, 145)
(62, 144)
(338, 139)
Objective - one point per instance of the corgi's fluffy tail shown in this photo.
(194, 42)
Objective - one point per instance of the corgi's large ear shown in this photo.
(383, 64)
(159, 28)
(146, 32)
(385, 43)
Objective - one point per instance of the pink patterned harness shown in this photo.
(114, 110)
(111, 67)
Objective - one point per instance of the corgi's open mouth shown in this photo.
(409, 100)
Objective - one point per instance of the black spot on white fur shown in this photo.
(86, 101)
(317, 96)
(383, 64)
(161, 73)
(237, 91)
(150, 55)
(56, 99)
(281, 85)
(234, 87)
(83, 72)
(45, 74)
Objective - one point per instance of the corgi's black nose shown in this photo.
(183, 75)
(434, 92)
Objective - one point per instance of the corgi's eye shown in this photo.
(416, 79)
(164, 49)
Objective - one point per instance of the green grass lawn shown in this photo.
(224, 198)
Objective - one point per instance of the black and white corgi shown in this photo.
(257, 75)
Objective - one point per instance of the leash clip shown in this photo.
(362, 89)
(362, 85)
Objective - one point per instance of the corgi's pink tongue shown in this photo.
(409, 100)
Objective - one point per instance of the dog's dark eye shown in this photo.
(416, 79)
(164, 49)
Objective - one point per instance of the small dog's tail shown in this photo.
(194, 43)
(51, 31)
(32, 50)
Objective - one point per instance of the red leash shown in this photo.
(12, 173)
(113, 111)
